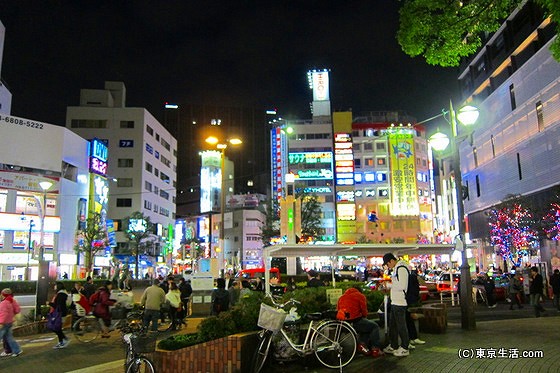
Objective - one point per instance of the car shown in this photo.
(443, 282)
(432, 275)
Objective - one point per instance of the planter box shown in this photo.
(225, 355)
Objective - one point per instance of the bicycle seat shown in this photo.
(314, 316)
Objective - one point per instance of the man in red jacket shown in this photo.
(352, 307)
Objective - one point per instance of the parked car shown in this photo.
(443, 282)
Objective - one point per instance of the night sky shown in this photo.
(238, 53)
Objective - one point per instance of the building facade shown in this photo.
(142, 168)
(514, 81)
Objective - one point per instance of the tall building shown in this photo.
(514, 81)
(5, 94)
(142, 168)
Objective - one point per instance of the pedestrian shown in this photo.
(259, 284)
(291, 285)
(173, 298)
(80, 304)
(89, 287)
(490, 288)
(9, 308)
(555, 284)
(313, 279)
(101, 302)
(220, 298)
(412, 332)
(515, 288)
(234, 293)
(397, 320)
(352, 307)
(536, 288)
(60, 303)
(151, 300)
(245, 289)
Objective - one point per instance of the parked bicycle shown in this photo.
(332, 341)
(138, 342)
(88, 328)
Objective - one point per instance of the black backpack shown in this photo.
(221, 302)
(412, 295)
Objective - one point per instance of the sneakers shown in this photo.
(16, 354)
(417, 341)
(401, 352)
(4, 354)
(375, 352)
(63, 344)
(411, 346)
(58, 345)
(363, 349)
(389, 350)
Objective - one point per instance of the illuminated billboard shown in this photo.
(343, 159)
(311, 165)
(98, 157)
(403, 172)
(319, 83)
(210, 181)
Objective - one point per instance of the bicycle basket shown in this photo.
(143, 343)
(118, 313)
(270, 318)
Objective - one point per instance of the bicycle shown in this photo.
(333, 342)
(87, 328)
(138, 342)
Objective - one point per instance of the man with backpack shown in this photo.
(412, 298)
(397, 321)
(220, 298)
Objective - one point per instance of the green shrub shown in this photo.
(179, 341)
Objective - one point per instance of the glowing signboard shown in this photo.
(310, 158)
(98, 157)
(320, 84)
(403, 173)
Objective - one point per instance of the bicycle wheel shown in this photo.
(140, 364)
(261, 353)
(86, 328)
(334, 344)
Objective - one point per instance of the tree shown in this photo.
(444, 31)
(311, 213)
(513, 229)
(271, 226)
(91, 239)
(139, 229)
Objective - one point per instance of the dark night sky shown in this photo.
(229, 52)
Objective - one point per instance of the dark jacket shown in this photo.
(186, 289)
(555, 283)
(60, 302)
(536, 286)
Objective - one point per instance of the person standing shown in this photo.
(102, 302)
(220, 298)
(313, 279)
(151, 300)
(60, 303)
(173, 297)
(234, 292)
(89, 287)
(9, 307)
(397, 321)
(536, 288)
(515, 288)
(490, 288)
(555, 284)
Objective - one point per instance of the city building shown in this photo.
(514, 81)
(142, 165)
(44, 153)
(5, 94)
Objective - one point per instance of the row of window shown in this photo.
(159, 209)
(158, 138)
(163, 176)
(157, 191)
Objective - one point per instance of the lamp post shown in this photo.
(222, 146)
(42, 279)
(467, 116)
(27, 271)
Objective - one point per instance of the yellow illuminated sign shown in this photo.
(403, 173)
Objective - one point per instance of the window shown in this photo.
(156, 172)
(164, 194)
(368, 162)
(540, 117)
(123, 182)
(124, 202)
(512, 97)
(157, 136)
(127, 124)
(381, 161)
(493, 142)
(380, 146)
(356, 147)
(88, 123)
(125, 162)
(148, 186)
(165, 144)
(475, 156)
(357, 163)
(150, 130)
(164, 177)
(156, 190)
(368, 146)
(149, 167)
(147, 205)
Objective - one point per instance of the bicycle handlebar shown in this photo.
(282, 305)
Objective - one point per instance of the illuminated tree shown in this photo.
(551, 222)
(444, 31)
(92, 238)
(139, 229)
(512, 231)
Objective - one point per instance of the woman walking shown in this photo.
(173, 297)
(60, 303)
(9, 307)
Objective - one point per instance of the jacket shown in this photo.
(61, 302)
(353, 304)
(153, 297)
(8, 310)
(399, 284)
(173, 297)
(536, 286)
(101, 309)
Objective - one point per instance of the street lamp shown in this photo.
(27, 271)
(467, 116)
(42, 279)
(222, 146)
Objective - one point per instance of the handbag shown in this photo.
(54, 320)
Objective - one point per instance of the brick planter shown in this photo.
(225, 355)
(31, 328)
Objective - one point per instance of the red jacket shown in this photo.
(101, 309)
(352, 305)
